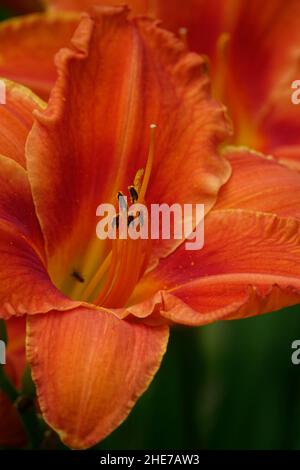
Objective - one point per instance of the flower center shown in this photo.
(116, 277)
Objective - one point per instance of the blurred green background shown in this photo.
(230, 385)
(4, 13)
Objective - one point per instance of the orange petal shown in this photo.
(260, 183)
(25, 286)
(288, 155)
(94, 136)
(253, 53)
(138, 6)
(262, 61)
(24, 282)
(194, 133)
(16, 205)
(16, 120)
(15, 353)
(278, 123)
(28, 47)
(203, 19)
(90, 368)
(248, 266)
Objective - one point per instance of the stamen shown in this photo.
(95, 281)
(138, 179)
(112, 275)
(149, 163)
(222, 53)
(130, 219)
(151, 8)
(141, 218)
(127, 274)
(122, 201)
(133, 194)
(116, 277)
(116, 222)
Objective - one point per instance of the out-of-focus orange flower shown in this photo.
(12, 433)
(98, 312)
(28, 46)
(253, 48)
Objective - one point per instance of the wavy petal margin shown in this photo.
(90, 368)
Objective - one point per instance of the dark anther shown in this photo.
(130, 219)
(122, 201)
(116, 221)
(77, 276)
(141, 218)
(133, 194)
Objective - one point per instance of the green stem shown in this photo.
(32, 426)
(3, 333)
(5, 384)
(23, 400)
(7, 387)
(26, 408)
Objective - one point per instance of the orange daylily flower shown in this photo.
(28, 45)
(12, 433)
(254, 57)
(98, 313)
